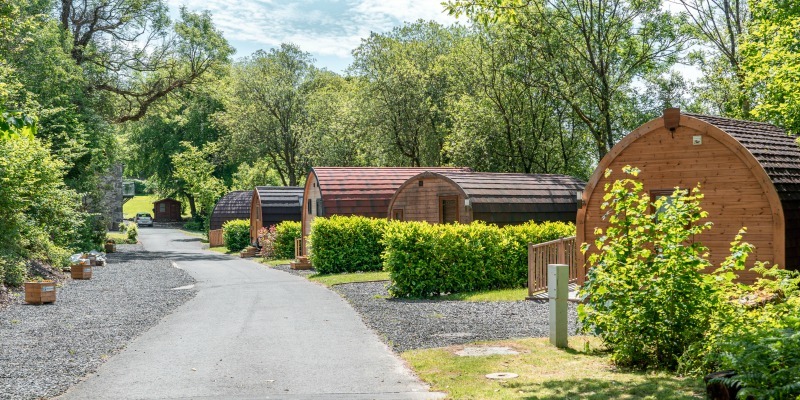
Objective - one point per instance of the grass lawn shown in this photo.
(544, 373)
(119, 237)
(273, 263)
(489, 295)
(223, 250)
(338, 279)
(143, 203)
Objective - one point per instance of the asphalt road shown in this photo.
(250, 333)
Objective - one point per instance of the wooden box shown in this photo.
(110, 247)
(40, 292)
(81, 271)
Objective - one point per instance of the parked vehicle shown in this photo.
(143, 219)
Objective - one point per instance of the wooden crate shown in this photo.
(40, 292)
(81, 271)
(110, 247)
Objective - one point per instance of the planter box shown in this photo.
(40, 292)
(80, 271)
(110, 247)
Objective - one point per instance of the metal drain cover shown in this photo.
(502, 375)
(475, 351)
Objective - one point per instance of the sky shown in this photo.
(328, 29)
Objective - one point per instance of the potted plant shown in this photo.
(40, 291)
(110, 246)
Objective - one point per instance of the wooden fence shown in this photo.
(559, 251)
(215, 238)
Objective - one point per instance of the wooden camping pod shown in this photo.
(234, 205)
(167, 210)
(499, 198)
(271, 205)
(749, 173)
(364, 191)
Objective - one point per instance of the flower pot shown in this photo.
(40, 292)
(110, 247)
(80, 271)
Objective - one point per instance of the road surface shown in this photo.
(250, 333)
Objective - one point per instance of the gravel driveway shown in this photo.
(45, 349)
(415, 324)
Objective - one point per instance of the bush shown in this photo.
(133, 232)
(285, 234)
(427, 260)
(346, 244)
(236, 234)
(15, 273)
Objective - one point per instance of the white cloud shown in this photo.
(327, 28)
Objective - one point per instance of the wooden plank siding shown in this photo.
(423, 203)
(738, 192)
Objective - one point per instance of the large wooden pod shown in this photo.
(499, 198)
(749, 173)
(234, 205)
(364, 191)
(271, 205)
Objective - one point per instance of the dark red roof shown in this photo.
(364, 191)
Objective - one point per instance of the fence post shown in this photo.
(558, 292)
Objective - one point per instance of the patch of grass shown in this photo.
(119, 237)
(223, 250)
(545, 373)
(352, 277)
(273, 263)
(142, 203)
(489, 295)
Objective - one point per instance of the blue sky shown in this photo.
(328, 29)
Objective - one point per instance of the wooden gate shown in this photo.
(559, 251)
(215, 238)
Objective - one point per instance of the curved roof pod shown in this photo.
(364, 191)
(500, 198)
(749, 173)
(234, 205)
(271, 205)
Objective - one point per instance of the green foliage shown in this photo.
(132, 232)
(346, 244)
(645, 294)
(771, 60)
(236, 234)
(427, 260)
(285, 234)
(247, 176)
(192, 166)
(12, 272)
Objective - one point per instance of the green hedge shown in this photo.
(346, 244)
(236, 234)
(427, 260)
(285, 234)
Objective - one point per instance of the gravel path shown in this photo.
(45, 349)
(415, 324)
(298, 272)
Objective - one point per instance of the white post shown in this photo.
(558, 292)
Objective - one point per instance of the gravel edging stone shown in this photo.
(46, 349)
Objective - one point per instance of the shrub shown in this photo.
(15, 273)
(427, 260)
(285, 234)
(133, 232)
(236, 234)
(266, 239)
(646, 295)
(346, 244)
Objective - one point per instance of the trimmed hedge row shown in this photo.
(426, 260)
(346, 244)
(236, 234)
(285, 234)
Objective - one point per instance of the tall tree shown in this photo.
(772, 61)
(590, 51)
(407, 86)
(131, 49)
(720, 26)
(266, 109)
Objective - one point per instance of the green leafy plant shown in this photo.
(236, 234)
(285, 234)
(646, 295)
(346, 244)
(427, 260)
(133, 233)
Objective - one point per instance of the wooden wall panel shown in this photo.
(733, 195)
(421, 203)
